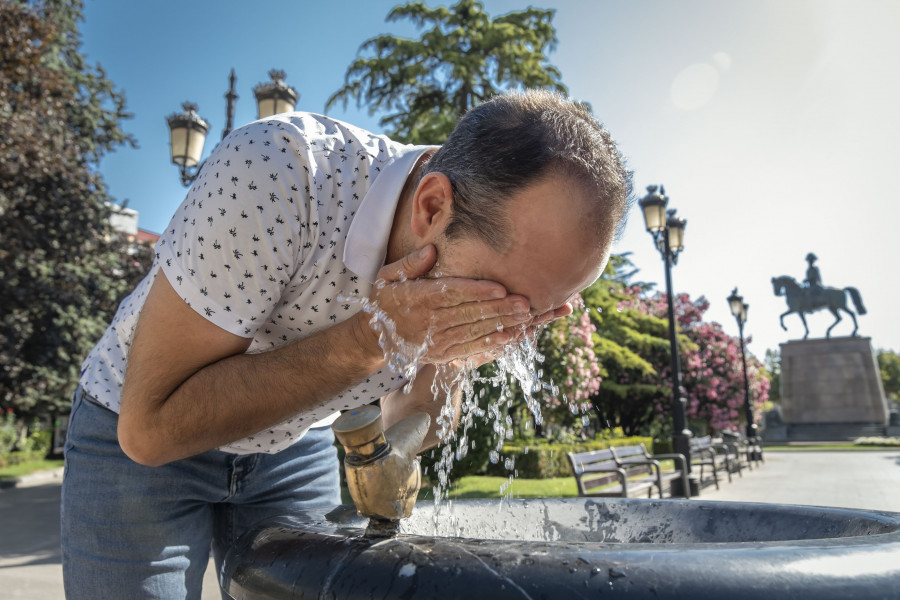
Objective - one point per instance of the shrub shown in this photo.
(9, 433)
(538, 460)
(877, 441)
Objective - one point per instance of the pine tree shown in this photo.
(463, 58)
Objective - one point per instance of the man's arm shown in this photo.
(398, 405)
(190, 388)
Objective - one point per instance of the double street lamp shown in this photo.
(187, 129)
(668, 234)
(739, 310)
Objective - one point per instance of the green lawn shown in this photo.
(489, 487)
(27, 468)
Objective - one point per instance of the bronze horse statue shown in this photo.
(802, 300)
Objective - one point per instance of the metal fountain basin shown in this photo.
(574, 548)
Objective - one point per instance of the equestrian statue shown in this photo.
(814, 296)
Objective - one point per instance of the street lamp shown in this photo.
(739, 310)
(668, 234)
(187, 130)
(274, 97)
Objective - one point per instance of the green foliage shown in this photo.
(498, 487)
(61, 270)
(38, 440)
(773, 369)
(19, 464)
(9, 432)
(630, 347)
(881, 442)
(889, 365)
(462, 58)
(545, 460)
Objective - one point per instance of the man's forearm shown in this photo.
(243, 394)
(397, 405)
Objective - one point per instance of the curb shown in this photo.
(32, 478)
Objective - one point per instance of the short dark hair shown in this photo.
(513, 140)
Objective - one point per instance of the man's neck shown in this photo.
(400, 241)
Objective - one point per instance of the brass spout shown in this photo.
(381, 466)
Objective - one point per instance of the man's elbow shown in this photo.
(137, 445)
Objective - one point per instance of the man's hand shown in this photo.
(469, 322)
(461, 317)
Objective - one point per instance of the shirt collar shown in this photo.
(367, 238)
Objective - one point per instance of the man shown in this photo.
(205, 407)
(813, 279)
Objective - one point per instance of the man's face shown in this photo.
(552, 256)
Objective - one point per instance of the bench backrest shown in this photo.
(600, 466)
(595, 460)
(623, 453)
(701, 442)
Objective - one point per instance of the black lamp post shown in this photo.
(187, 130)
(739, 310)
(668, 233)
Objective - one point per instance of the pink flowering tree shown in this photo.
(712, 373)
(571, 368)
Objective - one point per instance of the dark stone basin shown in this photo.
(575, 548)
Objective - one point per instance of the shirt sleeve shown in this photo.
(231, 248)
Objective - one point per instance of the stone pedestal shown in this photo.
(831, 389)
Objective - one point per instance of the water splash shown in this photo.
(402, 356)
(516, 365)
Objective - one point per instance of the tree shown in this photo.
(889, 365)
(712, 372)
(631, 346)
(462, 59)
(59, 262)
(773, 367)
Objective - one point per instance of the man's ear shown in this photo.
(431, 207)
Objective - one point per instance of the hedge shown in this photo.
(544, 460)
(11, 459)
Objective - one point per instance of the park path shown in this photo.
(868, 479)
(29, 513)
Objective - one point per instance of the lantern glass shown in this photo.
(187, 145)
(676, 234)
(274, 97)
(736, 303)
(187, 134)
(654, 216)
(653, 205)
(265, 107)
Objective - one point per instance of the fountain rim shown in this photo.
(352, 525)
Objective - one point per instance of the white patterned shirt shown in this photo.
(287, 214)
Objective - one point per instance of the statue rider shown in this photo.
(813, 279)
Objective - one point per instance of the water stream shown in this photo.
(518, 365)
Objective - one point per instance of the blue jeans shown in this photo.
(130, 531)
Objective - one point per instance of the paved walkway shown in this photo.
(868, 479)
(29, 514)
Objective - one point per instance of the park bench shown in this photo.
(712, 457)
(625, 472)
(749, 449)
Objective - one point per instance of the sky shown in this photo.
(774, 125)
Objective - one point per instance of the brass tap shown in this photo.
(381, 466)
